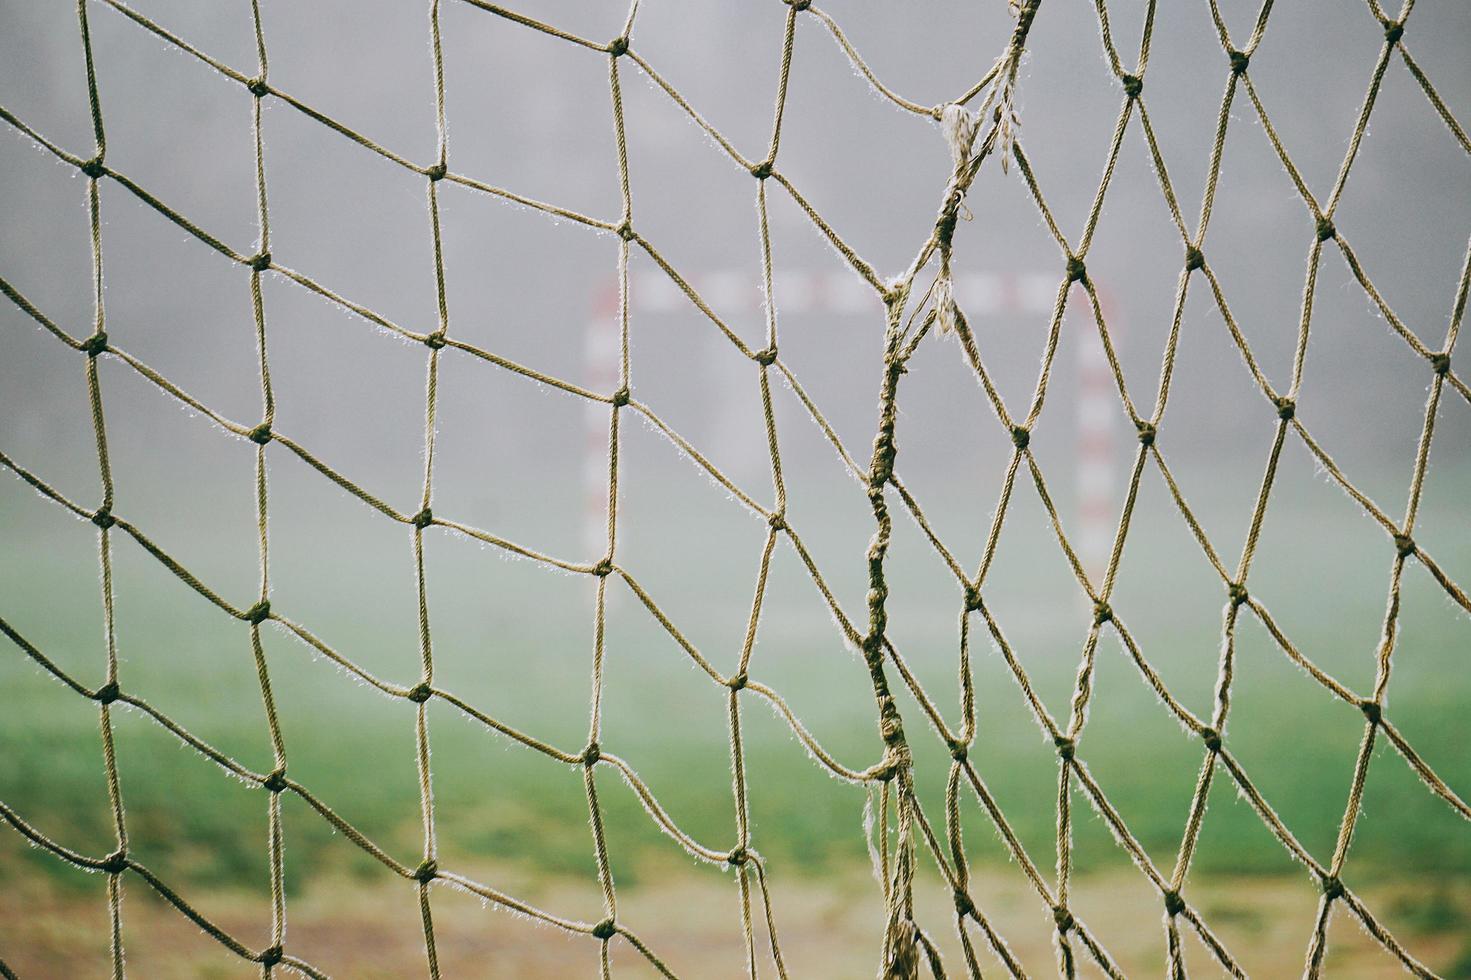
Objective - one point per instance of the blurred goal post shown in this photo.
(983, 294)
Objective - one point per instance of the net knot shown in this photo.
(1212, 739)
(1174, 904)
(886, 770)
(618, 47)
(973, 602)
(1020, 436)
(625, 231)
(258, 87)
(739, 681)
(945, 229)
(604, 930)
(1194, 258)
(260, 435)
(1102, 613)
(1332, 887)
(737, 857)
(1066, 748)
(766, 356)
(801, 5)
(435, 340)
(420, 692)
(257, 613)
(1393, 31)
(958, 750)
(1404, 545)
(116, 862)
(603, 568)
(777, 520)
(103, 518)
(422, 519)
(1325, 228)
(1441, 363)
(1239, 61)
(621, 397)
(107, 693)
(276, 781)
(95, 344)
(591, 754)
(959, 129)
(427, 871)
(271, 955)
(1237, 593)
(1147, 432)
(891, 728)
(436, 172)
(260, 262)
(1371, 711)
(1133, 85)
(1063, 918)
(964, 905)
(1286, 408)
(761, 170)
(94, 168)
(894, 293)
(1076, 270)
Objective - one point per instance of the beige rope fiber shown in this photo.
(902, 833)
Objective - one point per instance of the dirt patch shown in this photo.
(828, 927)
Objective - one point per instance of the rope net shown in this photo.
(981, 128)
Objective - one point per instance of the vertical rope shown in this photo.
(103, 518)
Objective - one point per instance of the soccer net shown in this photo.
(982, 128)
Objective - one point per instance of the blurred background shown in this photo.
(531, 113)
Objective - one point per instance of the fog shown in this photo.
(531, 115)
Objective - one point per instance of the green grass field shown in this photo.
(516, 642)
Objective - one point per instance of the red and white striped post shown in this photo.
(980, 294)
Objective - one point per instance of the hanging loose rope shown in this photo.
(898, 829)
